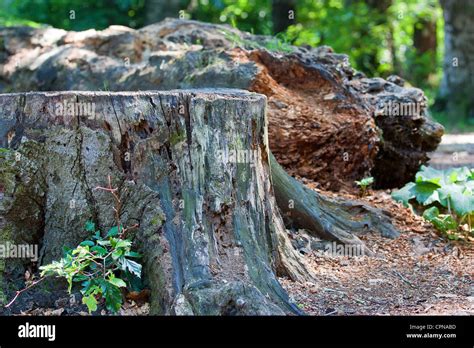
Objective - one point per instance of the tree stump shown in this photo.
(192, 170)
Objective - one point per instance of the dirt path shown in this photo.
(455, 150)
(418, 273)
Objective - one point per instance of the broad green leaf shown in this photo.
(123, 243)
(90, 226)
(117, 254)
(460, 198)
(429, 174)
(133, 254)
(445, 223)
(87, 243)
(99, 250)
(113, 297)
(442, 223)
(457, 174)
(131, 266)
(463, 203)
(404, 194)
(117, 282)
(66, 250)
(425, 192)
(90, 302)
(442, 177)
(113, 232)
(431, 213)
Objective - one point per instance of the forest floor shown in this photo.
(418, 273)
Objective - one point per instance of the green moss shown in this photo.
(176, 138)
(5, 235)
(157, 220)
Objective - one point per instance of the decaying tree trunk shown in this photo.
(193, 169)
(324, 119)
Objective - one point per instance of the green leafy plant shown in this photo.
(103, 265)
(448, 194)
(364, 184)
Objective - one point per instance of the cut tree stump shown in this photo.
(193, 170)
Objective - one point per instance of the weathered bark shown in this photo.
(209, 229)
(328, 219)
(455, 95)
(323, 123)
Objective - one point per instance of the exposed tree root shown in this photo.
(330, 219)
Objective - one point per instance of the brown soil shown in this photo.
(418, 273)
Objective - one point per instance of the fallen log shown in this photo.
(324, 117)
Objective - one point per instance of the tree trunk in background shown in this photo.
(455, 95)
(282, 15)
(157, 10)
(425, 44)
(424, 36)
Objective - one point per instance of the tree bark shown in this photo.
(192, 170)
(455, 95)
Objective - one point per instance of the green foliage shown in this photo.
(364, 183)
(102, 265)
(249, 15)
(444, 223)
(450, 190)
(87, 14)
